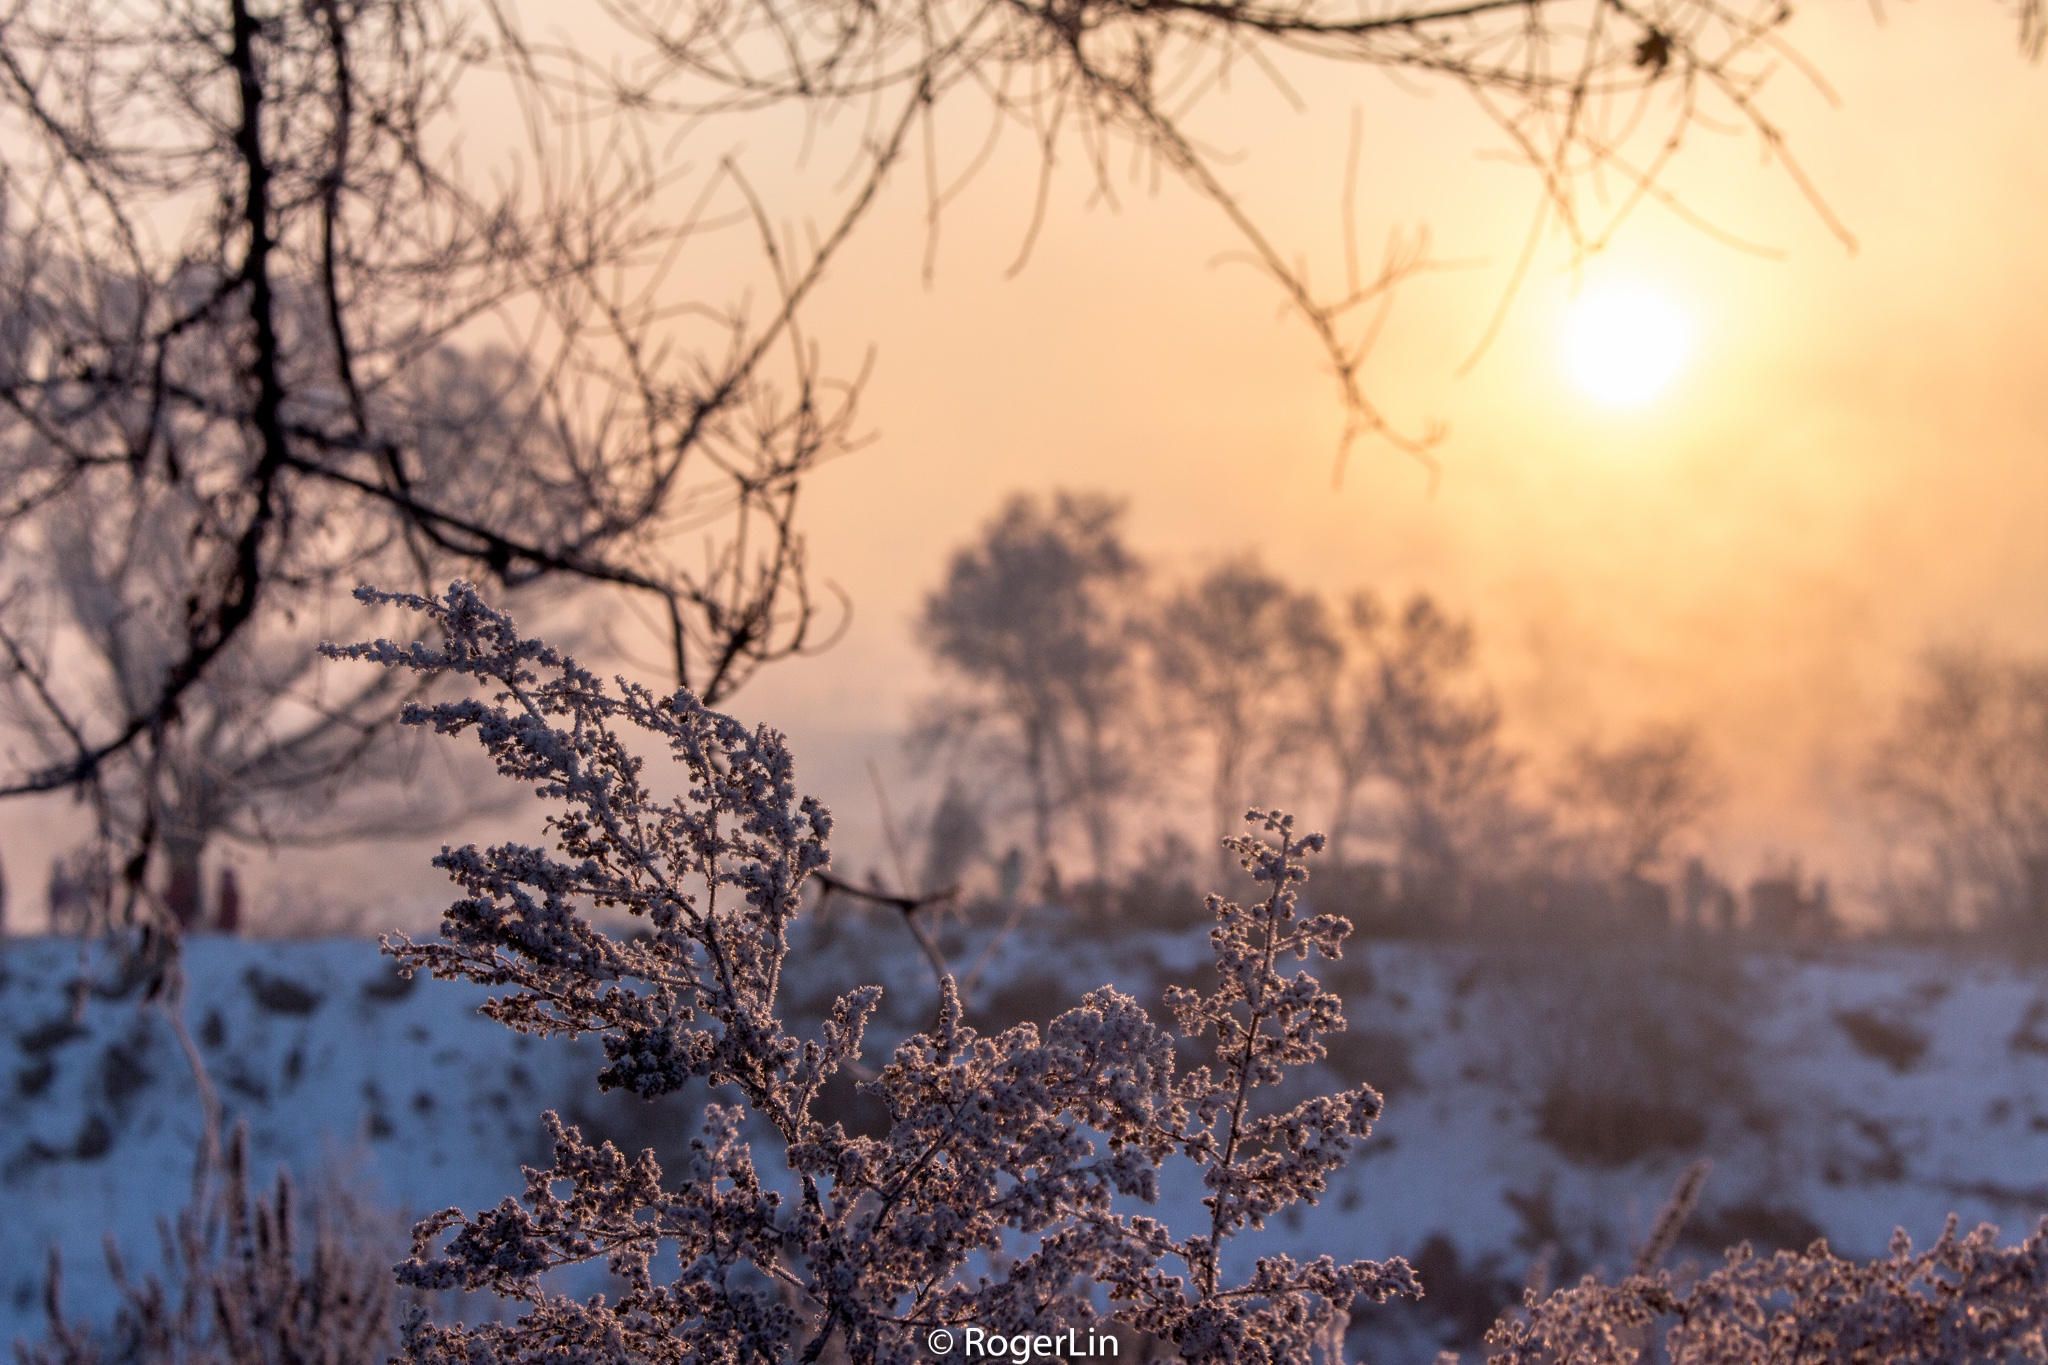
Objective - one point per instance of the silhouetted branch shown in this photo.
(908, 906)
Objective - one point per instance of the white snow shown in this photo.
(418, 1102)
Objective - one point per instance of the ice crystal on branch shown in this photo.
(992, 1199)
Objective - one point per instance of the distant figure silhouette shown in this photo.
(227, 915)
(182, 894)
(69, 900)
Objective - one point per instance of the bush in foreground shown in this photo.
(989, 1200)
(1964, 1299)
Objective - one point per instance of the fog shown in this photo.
(1846, 474)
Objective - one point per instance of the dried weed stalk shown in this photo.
(242, 1286)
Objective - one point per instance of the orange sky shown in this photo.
(1849, 470)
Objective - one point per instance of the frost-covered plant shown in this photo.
(1964, 1299)
(991, 1199)
(247, 1280)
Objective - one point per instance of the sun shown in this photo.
(1624, 344)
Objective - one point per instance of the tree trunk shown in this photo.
(1041, 801)
(227, 905)
(183, 894)
(1340, 820)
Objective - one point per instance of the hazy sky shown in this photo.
(1849, 469)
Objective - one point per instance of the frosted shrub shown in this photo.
(1964, 1299)
(243, 1284)
(990, 1200)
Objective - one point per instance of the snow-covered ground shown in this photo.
(1538, 1102)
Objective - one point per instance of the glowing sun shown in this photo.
(1624, 344)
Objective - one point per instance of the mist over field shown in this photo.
(1845, 475)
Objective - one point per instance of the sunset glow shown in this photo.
(1624, 345)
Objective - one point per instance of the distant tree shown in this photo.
(1396, 705)
(1432, 730)
(955, 838)
(1032, 625)
(268, 749)
(1344, 686)
(1231, 652)
(257, 313)
(1964, 771)
(1634, 798)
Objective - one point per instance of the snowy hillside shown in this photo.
(1535, 1101)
